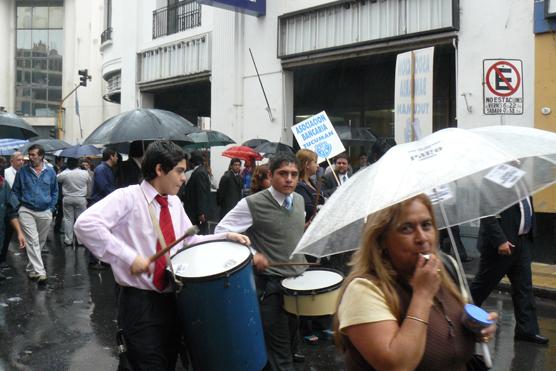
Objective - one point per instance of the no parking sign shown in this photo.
(503, 87)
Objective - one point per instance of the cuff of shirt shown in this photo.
(127, 255)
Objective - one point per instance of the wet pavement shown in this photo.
(70, 323)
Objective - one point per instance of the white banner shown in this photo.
(318, 134)
(413, 95)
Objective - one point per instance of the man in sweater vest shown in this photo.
(274, 220)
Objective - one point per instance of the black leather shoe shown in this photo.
(298, 358)
(537, 339)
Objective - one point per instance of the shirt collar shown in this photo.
(149, 191)
(279, 197)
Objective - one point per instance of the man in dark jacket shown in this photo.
(129, 172)
(505, 244)
(195, 194)
(229, 189)
(9, 206)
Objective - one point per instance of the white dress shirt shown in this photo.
(239, 219)
(9, 174)
(118, 228)
(75, 182)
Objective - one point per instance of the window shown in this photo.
(39, 54)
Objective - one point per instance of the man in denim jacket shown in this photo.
(36, 188)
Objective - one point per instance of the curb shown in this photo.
(539, 292)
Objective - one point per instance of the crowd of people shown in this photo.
(396, 310)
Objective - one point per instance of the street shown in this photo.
(70, 323)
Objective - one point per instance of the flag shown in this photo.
(77, 105)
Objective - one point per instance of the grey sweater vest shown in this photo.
(276, 231)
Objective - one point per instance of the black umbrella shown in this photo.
(350, 135)
(253, 143)
(13, 126)
(208, 138)
(49, 145)
(142, 124)
(79, 151)
(271, 148)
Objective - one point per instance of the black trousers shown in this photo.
(9, 231)
(517, 266)
(150, 326)
(279, 327)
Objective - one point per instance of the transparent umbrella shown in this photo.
(469, 174)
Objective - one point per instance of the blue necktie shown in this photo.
(288, 202)
(527, 216)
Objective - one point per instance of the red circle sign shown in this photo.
(511, 88)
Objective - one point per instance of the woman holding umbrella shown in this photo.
(399, 308)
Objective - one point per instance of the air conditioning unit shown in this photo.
(203, 122)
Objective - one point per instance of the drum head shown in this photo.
(209, 259)
(314, 280)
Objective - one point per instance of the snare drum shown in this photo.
(218, 307)
(313, 293)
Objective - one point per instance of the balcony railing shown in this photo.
(106, 35)
(175, 18)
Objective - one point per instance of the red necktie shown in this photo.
(167, 229)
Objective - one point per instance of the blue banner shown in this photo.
(251, 7)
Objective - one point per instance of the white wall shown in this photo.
(82, 43)
(7, 57)
(492, 30)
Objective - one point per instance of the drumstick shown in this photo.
(190, 232)
(280, 264)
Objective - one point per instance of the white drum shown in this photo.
(313, 293)
(210, 259)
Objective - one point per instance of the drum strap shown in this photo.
(162, 241)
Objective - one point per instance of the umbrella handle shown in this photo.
(486, 355)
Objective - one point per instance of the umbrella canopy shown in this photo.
(13, 126)
(208, 138)
(253, 143)
(270, 148)
(49, 145)
(350, 135)
(9, 146)
(469, 174)
(142, 124)
(243, 153)
(79, 151)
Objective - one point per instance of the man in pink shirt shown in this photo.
(119, 231)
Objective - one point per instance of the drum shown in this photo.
(218, 307)
(313, 293)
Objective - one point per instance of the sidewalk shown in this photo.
(544, 275)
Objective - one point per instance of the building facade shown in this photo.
(311, 55)
(45, 43)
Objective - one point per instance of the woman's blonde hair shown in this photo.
(305, 156)
(372, 261)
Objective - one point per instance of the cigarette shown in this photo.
(426, 256)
